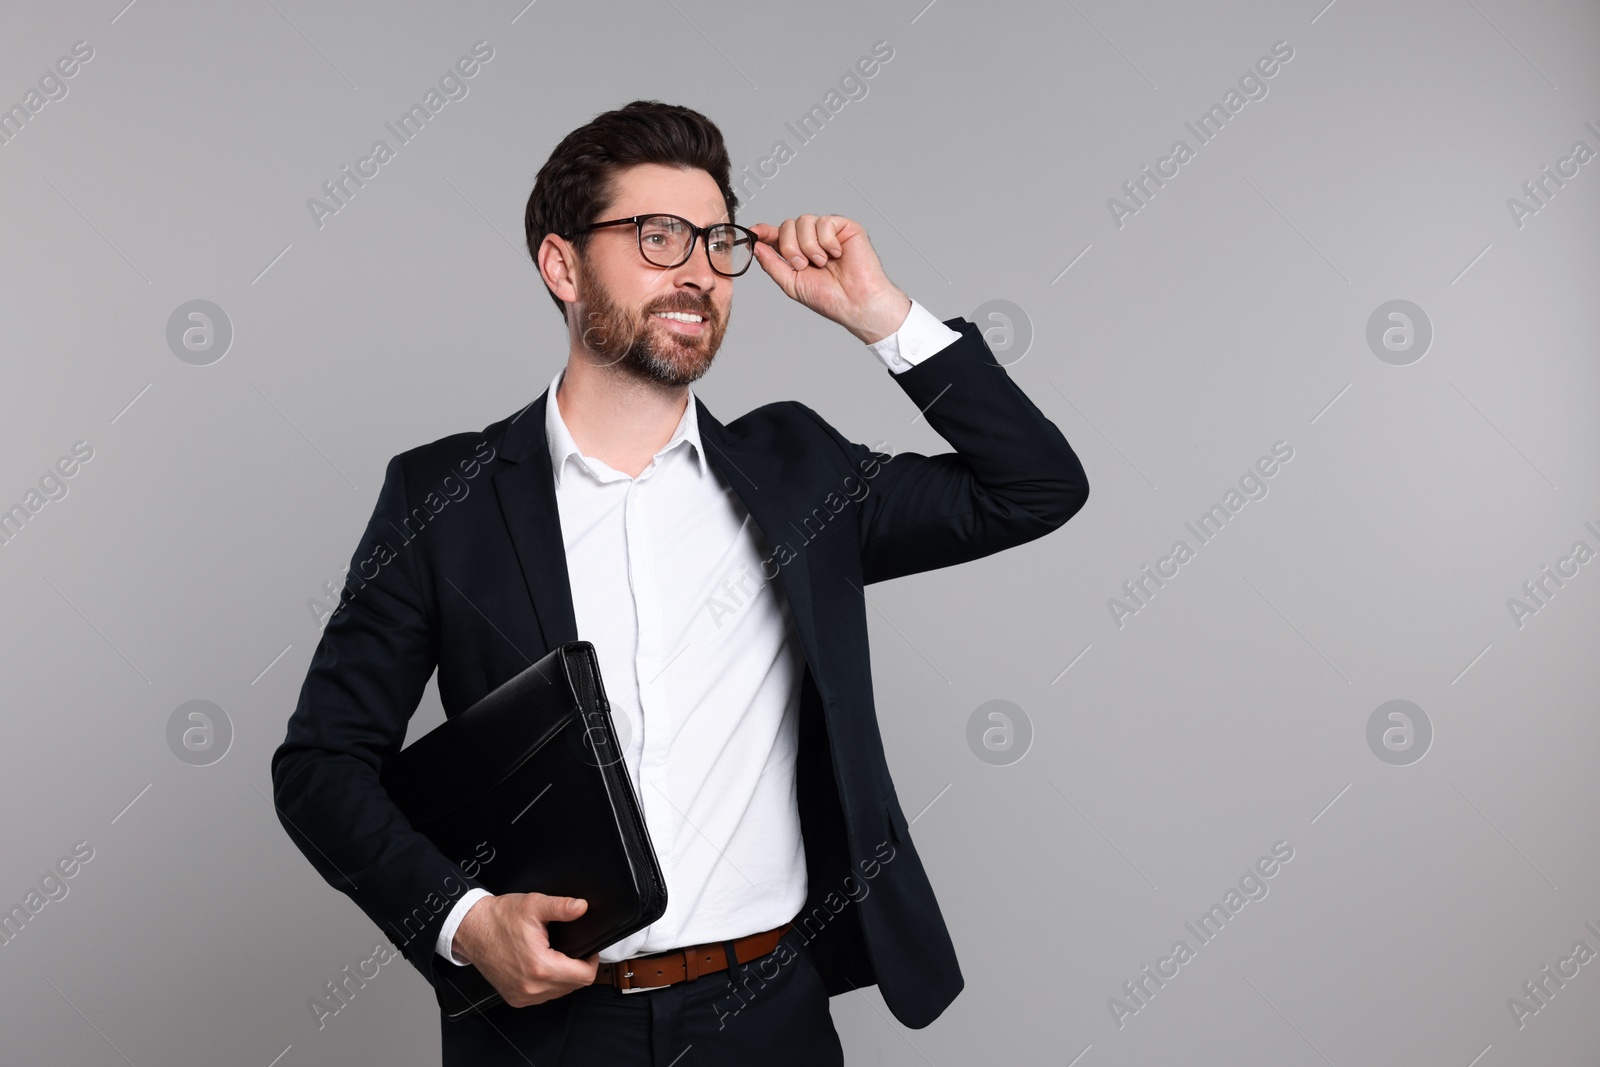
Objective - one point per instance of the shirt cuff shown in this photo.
(447, 936)
(919, 336)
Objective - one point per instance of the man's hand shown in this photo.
(826, 263)
(505, 937)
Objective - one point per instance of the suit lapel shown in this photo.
(527, 495)
(526, 492)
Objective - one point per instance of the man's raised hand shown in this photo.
(827, 263)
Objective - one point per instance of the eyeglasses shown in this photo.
(668, 241)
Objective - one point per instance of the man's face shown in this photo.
(620, 294)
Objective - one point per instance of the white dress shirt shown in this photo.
(702, 668)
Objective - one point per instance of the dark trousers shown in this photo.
(771, 1011)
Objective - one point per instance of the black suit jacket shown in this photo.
(462, 568)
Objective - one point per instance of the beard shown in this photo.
(642, 345)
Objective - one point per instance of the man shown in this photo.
(719, 572)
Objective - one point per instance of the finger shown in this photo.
(806, 235)
(789, 245)
(562, 968)
(558, 909)
(828, 234)
(779, 271)
(765, 233)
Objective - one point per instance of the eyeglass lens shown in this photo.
(664, 240)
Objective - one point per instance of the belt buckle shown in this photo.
(637, 988)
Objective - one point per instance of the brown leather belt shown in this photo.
(684, 964)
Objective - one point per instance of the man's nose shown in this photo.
(696, 272)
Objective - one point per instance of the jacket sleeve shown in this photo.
(365, 680)
(1011, 479)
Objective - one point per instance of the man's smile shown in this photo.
(685, 322)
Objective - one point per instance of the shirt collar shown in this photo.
(562, 445)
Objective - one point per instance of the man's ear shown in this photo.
(555, 262)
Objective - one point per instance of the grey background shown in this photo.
(1228, 314)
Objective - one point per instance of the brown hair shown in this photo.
(576, 182)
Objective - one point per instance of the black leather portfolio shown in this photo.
(530, 780)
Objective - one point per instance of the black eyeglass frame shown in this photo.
(695, 233)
